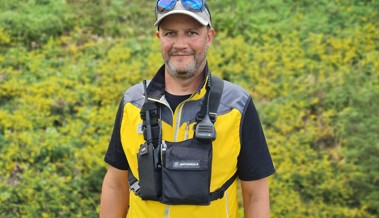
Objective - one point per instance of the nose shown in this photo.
(180, 42)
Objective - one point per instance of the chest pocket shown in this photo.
(186, 172)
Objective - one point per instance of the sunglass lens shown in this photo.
(165, 5)
(194, 5)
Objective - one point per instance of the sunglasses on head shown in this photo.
(164, 6)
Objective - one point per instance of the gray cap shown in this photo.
(202, 17)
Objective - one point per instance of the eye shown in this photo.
(169, 34)
(192, 33)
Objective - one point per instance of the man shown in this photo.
(177, 186)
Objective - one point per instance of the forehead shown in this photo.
(179, 20)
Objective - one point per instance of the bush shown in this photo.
(33, 22)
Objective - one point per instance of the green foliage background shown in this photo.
(312, 68)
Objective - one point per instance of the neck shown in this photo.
(183, 87)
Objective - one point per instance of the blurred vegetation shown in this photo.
(311, 66)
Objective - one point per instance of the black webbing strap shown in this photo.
(219, 193)
(216, 89)
(133, 183)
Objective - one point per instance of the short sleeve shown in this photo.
(115, 155)
(254, 160)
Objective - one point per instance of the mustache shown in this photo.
(181, 52)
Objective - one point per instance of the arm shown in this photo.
(256, 201)
(115, 194)
(254, 165)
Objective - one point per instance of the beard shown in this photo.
(187, 71)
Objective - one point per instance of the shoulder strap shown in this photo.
(215, 90)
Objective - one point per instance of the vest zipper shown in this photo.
(178, 117)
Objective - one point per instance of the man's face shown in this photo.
(184, 44)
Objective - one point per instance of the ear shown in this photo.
(157, 34)
(211, 34)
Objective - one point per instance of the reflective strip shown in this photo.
(167, 211)
(227, 204)
(187, 130)
(164, 103)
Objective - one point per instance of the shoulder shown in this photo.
(233, 97)
(134, 95)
